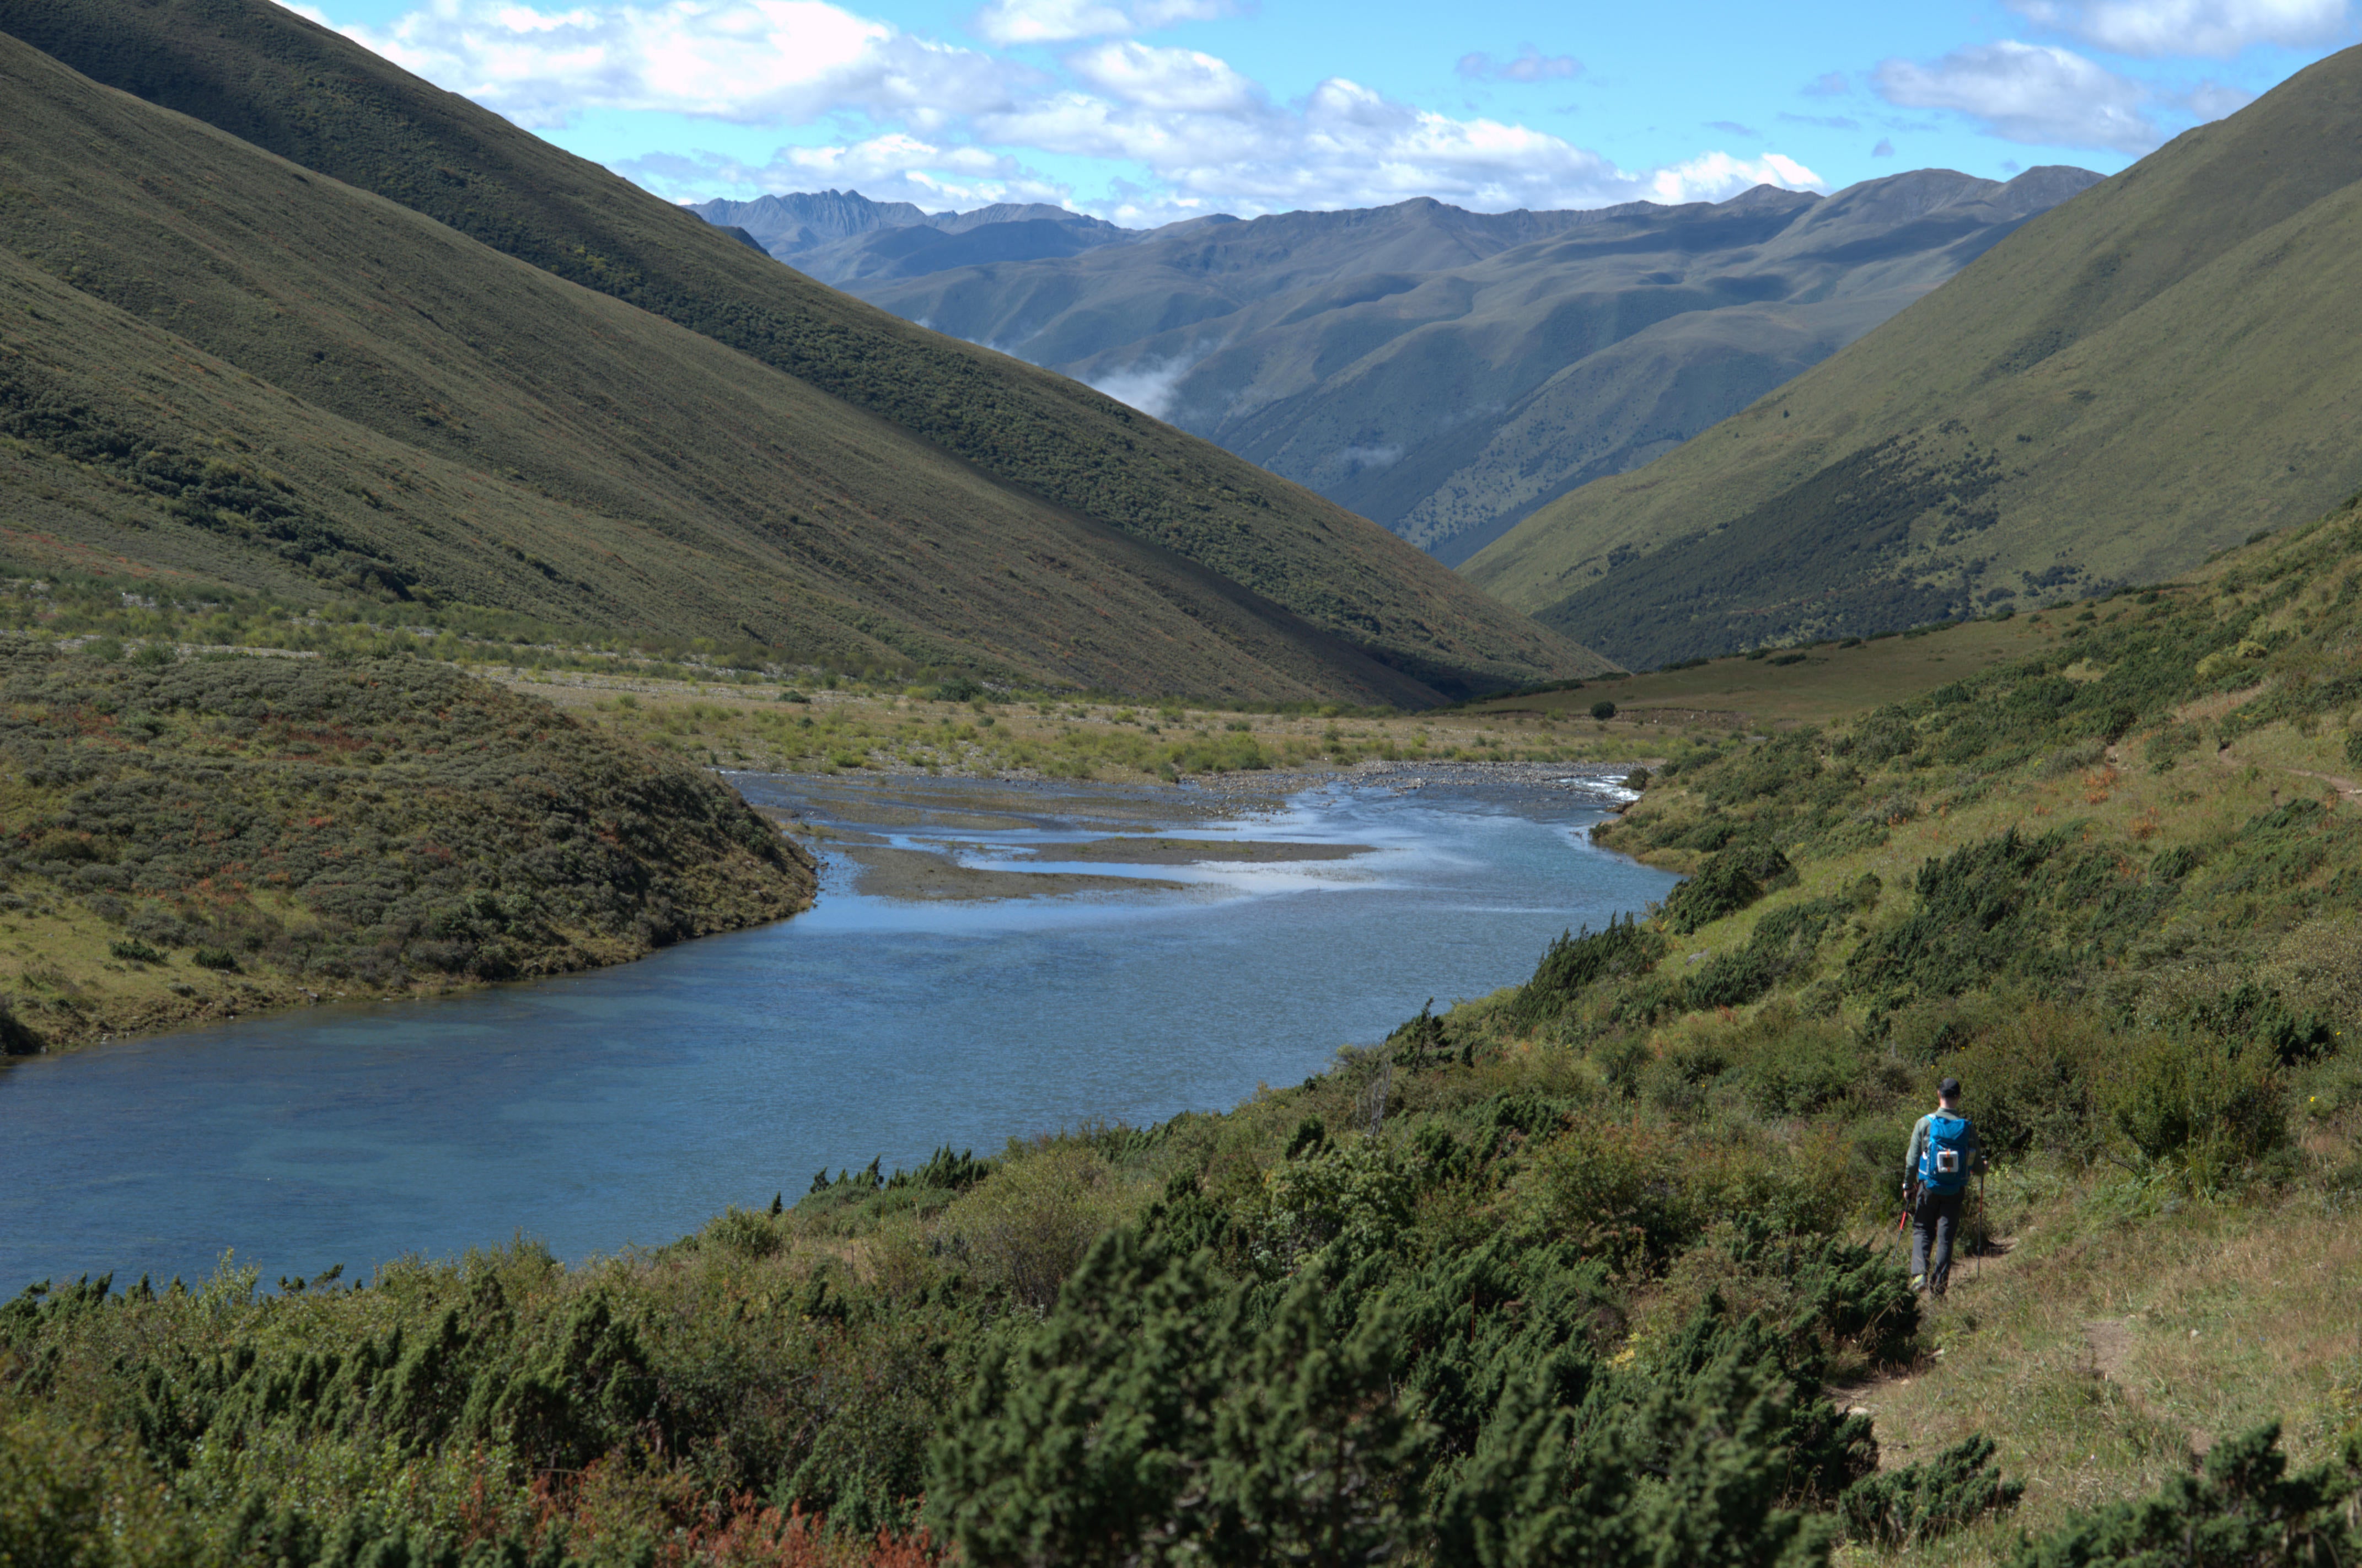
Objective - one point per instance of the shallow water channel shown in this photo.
(630, 1105)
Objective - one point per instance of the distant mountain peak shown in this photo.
(1768, 195)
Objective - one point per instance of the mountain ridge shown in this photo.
(2134, 380)
(838, 235)
(1445, 371)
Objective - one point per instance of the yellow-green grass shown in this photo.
(1816, 684)
(754, 727)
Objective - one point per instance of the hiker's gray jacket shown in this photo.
(1969, 1149)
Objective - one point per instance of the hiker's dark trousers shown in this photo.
(1933, 1225)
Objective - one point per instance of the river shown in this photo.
(627, 1105)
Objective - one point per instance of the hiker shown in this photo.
(1935, 1171)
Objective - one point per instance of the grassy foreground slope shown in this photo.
(2143, 375)
(1595, 1270)
(198, 838)
(289, 385)
(272, 79)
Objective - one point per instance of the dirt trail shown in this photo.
(2226, 757)
(2111, 1340)
(2346, 787)
(1866, 1396)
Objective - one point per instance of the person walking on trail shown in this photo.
(1935, 1170)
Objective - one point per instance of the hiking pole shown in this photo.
(1983, 1235)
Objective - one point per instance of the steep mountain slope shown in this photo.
(2158, 368)
(839, 235)
(269, 77)
(222, 367)
(1444, 372)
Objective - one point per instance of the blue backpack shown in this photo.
(1943, 1164)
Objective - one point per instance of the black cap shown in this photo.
(1949, 1088)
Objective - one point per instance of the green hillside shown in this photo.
(372, 404)
(2153, 370)
(268, 77)
(193, 839)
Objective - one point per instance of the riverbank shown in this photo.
(187, 841)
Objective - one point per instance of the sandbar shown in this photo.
(1146, 850)
(913, 874)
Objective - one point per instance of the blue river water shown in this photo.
(628, 1106)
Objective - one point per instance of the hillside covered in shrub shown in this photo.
(1597, 1269)
(196, 837)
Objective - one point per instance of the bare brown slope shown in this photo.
(2142, 375)
(222, 366)
(274, 79)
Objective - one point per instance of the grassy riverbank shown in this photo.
(739, 707)
(191, 838)
(1596, 1269)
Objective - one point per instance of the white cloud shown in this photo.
(895, 167)
(1148, 386)
(1007, 22)
(1718, 177)
(1530, 64)
(1164, 79)
(1885, 148)
(2217, 29)
(2029, 93)
(1178, 133)
(748, 61)
(1211, 141)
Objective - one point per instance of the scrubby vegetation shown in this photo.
(194, 835)
(1569, 1274)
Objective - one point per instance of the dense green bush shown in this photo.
(2196, 1100)
(1921, 1502)
(1730, 880)
(1576, 962)
(1153, 1414)
(2243, 1507)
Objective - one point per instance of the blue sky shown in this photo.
(1145, 111)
